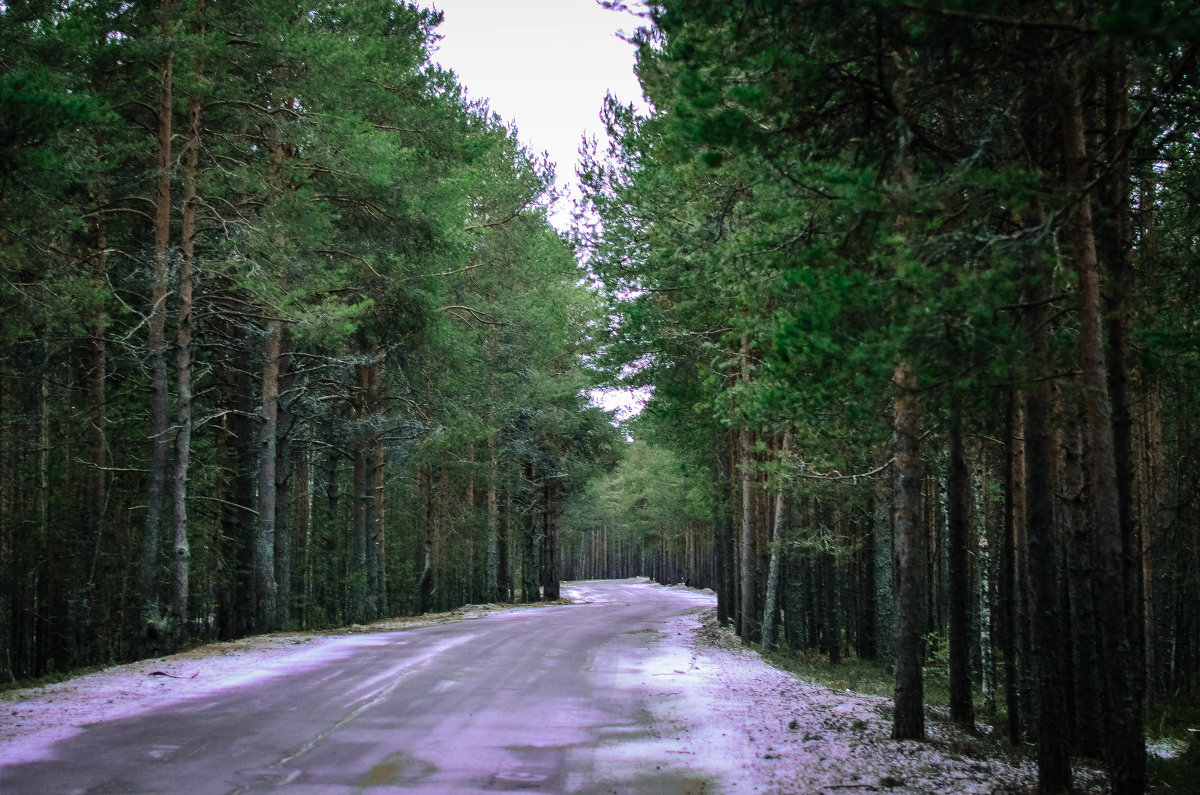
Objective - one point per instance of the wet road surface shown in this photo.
(552, 699)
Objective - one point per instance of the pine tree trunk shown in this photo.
(160, 422)
(1152, 507)
(425, 584)
(829, 596)
(244, 529)
(97, 390)
(1127, 752)
(304, 526)
(1046, 627)
(771, 606)
(492, 583)
(962, 708)
(264, 551)
(1088, 734)
(504, 569)
(987, 655)
(1014, 514)
(908, 552)
(529, 558)
(183, 361)
(378, 501)
(285, 420)
(550, 573)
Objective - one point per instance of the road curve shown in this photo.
(555, 699)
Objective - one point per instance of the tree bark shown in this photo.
(771, 606)
(909, 560)
(183, 362)
(378, 502)
(1046, 626)
(265, 587)
(160, 422)
(1127, 751)
(529, 559)
(962, 708)
(550, 575)
(1014, 514)
(284, 422)
(492, 581)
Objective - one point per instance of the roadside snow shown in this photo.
(759, 729)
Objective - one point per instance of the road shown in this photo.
(554, 699)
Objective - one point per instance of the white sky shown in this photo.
(544, 65)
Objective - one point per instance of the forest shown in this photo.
(287, 338)
(914, 284)
(288, 341)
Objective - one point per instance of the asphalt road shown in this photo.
(543, 700)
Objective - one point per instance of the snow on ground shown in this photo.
(717, 710)
(746, 722)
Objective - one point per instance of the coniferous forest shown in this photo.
(287, 338)
(915, 286)
(287, 341)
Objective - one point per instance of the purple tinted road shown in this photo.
(542, 700)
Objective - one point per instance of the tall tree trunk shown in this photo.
(361, 576)
(425, 585)
(285, 421)
(829, 584)
(1151, 503)
(958, 485)
(304, 526)
(771, 607)
(747, 628)
(868, 607)
(550, 575)
(1127, 752)
(378, 502)
(1053, 720)
(183, 361)
(492, 577)
(504, 580)
(1088, 733)
(1115, 270)
(243, 529)
(1014, 514)
(908, 550)
(987, 656)
(265, 587)
(529, 558)
(160, 422)
(97, 485)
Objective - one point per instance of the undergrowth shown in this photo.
(1178, 774)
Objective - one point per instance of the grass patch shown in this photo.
(1172, 722)
(860, 676)
(1180, 774)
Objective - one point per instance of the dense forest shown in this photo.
(288, 341)
(915, 286)
(287, 338)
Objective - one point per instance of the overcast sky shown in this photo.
(544, 65)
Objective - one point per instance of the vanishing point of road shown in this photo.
(553, 699)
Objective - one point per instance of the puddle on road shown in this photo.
(398, 769)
